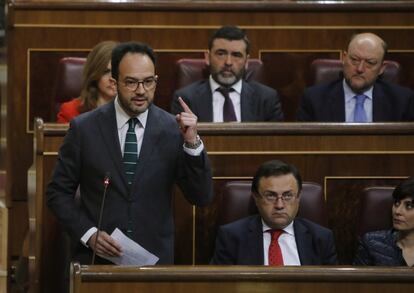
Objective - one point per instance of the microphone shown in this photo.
(106, 182)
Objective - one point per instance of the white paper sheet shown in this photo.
(132, 252)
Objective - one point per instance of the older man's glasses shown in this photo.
(272, 197)
(147, 83)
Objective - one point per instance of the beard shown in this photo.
(226, 79)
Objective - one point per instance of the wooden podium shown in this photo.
(240, 279)
(343, 158)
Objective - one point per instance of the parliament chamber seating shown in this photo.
(375, 209)
(190, 70)
(68, 82)
(326, 70)
(237, 202)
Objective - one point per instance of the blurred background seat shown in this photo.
(192, 70)
(68, 82)
(375, 209)
(326, 70)
(237, 203)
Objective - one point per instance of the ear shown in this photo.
(255, 196)
(247, 63)
(344, 55)
(207, 57)
(382, 68)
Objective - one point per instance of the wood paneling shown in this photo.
(176, 29)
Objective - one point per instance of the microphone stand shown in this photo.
(106, 183)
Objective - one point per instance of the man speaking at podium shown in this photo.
(132, 152)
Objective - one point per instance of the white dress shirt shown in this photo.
(287, 245)
(218, 100)
(350, 103)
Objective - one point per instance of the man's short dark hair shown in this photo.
(275, 168)
(404, 189)
(231, 33)
(131, 47)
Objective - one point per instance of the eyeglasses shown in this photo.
(272, 197)
(148, 83)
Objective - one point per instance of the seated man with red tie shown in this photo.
(275, 236)
(225, 96)
(361, 95)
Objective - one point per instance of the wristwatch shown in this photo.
(193, 145)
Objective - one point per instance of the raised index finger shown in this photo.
(184, 105)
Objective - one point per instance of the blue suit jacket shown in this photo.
(241, 243)
(91, 148)
(326, 103)
(258, 102)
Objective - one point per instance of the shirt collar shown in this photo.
(122, 117)
(214, 85)
(349, 93)
(288, 229)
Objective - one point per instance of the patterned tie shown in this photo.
(131, 151)
(275, 253)
(359, 113)
(228, 108)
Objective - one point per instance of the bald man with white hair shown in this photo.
(360, 95)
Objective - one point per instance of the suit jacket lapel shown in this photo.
(204, 103)
(380, 104)
(246, 102)
(303, 243)
(336, 100)
(109, 131)
(255, 242)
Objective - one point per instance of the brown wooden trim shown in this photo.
(280, 128)
(343, 6)
(246, 273)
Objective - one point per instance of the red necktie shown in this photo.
(275, 253)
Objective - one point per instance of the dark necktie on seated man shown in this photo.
(228, 109)
(360, 116)
(130, 158)
(275, 253)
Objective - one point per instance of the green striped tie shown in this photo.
(131, 151)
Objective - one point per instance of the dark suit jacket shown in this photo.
(257, 101)
(379, 248)
(91, 148)
(326, 103)
(241, 243)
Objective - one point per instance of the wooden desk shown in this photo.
(206, 279)
(343, 158)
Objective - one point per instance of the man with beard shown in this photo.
(146, 151)
(361, 95)
(225, 96)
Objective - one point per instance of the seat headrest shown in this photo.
(237, 202)
(327, 70)
(192, 70)
(69, 78)
(375, 209)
